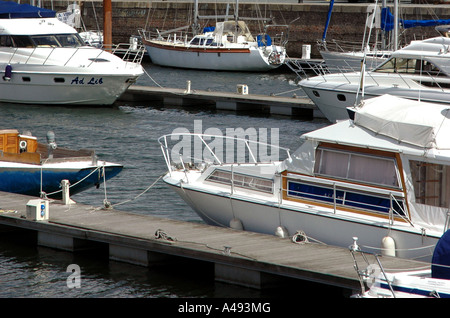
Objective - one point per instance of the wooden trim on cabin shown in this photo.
(402, 179)
(194, 49)
(369, 151)
(24, 157)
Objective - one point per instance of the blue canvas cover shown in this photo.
(387, 21)
(11, 10)
(441, 256)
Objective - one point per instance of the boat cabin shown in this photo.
(394, 164)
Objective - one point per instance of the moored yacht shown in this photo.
(420, 71)
(227, 46)
(382, 177)
(44, 61)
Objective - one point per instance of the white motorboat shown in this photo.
(382, 177)
(229, 46)
(431, 281)
(419, 71)
(44, 61)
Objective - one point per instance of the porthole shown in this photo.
(26, 79)
(59, 80)
(316, 93)
(341, 97)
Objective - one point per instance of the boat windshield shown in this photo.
(409, 66)
(48, 40)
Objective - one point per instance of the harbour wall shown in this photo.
(306, 21)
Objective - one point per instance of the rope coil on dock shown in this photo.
(161, 235)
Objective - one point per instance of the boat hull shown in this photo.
(27, 179)
(350, 61)
(333, 97)
(233, 59)
(54, 85)
(329, 228)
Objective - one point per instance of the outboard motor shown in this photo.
(51, 143)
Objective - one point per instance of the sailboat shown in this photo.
(229, 46)
(343, 60)
(347, 60)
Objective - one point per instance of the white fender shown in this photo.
(236, 224)
(388, 246)
(281, 232)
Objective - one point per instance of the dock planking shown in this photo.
(274, 105)
(130, 237)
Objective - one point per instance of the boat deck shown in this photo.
(274, 105)
(238, 257)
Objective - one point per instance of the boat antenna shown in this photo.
(360, 102)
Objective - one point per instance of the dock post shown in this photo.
(65, 185)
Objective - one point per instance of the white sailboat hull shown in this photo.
(232, 59)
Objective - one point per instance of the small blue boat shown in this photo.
(37, 169)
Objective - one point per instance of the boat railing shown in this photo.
(129, 52)
(337, 196)
(177, 35)
(372, 272)
(197, 152)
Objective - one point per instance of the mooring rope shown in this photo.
(44, 195)
(148, 188)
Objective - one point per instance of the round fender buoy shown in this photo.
(388, 246)
(281, 232)
(236, 224)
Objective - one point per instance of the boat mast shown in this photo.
(395, 25)
(330, 9)
(107, 21)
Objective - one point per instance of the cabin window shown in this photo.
(195, 41)
(352, 166)
(431, 183)
(22, 41)
(6, 41)
(344, 197)
(45, 41)
(69, 40)
(59, 79)
(241, 180)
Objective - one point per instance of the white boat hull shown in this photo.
(242, 59)
(333, 96)
(265, 216)
(350, 61)
(56, 85)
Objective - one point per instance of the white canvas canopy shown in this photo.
(417, 123)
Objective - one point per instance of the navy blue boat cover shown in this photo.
(10, 10)
(387, 21)
(441, 256)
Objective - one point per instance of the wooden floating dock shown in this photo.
(276, 105)
(239, 257)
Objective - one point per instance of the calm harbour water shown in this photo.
(127, 134)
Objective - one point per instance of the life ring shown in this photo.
(23, 146)
(274, 58)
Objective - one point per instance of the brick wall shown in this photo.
(306, 20)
